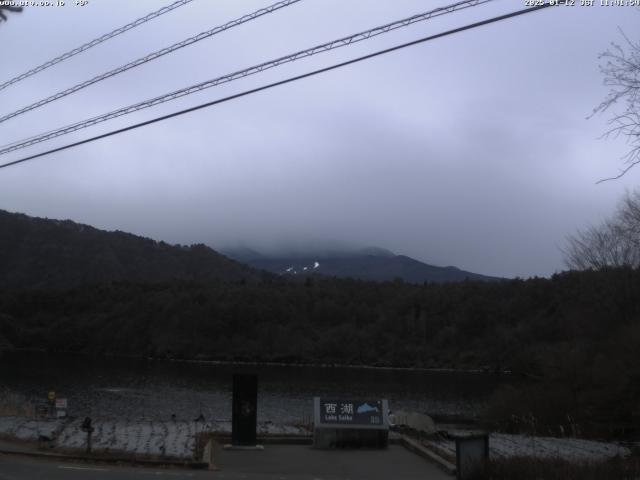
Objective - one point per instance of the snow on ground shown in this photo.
(177, 438)
(156, 438)
(27, 428)
(571, 449)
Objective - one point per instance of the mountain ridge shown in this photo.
(368, 263)
(47, 253)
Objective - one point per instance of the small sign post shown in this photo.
(61, 407)
(51, 398)
(350, 423)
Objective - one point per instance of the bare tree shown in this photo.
(8, 8)
(614, 243)
(621, 70)
(629, 215)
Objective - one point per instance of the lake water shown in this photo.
(135, 389)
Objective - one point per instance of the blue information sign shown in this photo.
(349, 412)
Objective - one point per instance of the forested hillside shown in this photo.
(574, 337)
(43, 253)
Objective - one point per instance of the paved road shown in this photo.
(23, 468)
(276, 462)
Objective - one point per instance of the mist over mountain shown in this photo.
(45, 253)
(368, 263)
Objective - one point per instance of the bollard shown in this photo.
(472, 455)
(86, 427)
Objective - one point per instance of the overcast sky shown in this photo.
(471, 150)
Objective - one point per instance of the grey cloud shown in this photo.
(471, 151)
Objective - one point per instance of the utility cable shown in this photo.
(151, 56)
(365, 35)
(95, 42)
(283, 82)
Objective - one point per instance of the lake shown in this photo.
(137, 389)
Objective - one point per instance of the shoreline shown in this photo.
(475, 371)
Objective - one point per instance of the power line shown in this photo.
(95, 42)
(151, 56)
(244, 73)
(282, 82)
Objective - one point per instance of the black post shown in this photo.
(472, 456)
(86, 427)
(89, 440)
(244, 410)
